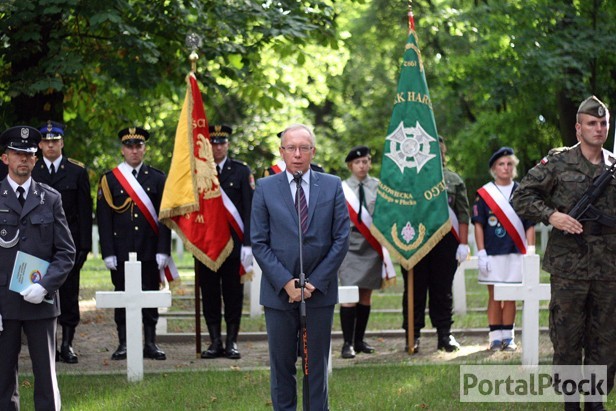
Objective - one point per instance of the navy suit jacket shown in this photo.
(274, 237)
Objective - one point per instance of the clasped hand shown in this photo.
(34, 294)
(295, 294)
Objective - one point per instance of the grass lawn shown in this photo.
(386, 387)
(401, 386)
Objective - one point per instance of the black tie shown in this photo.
(362, 200)
(52, 169)
(217, 170)
(20, 195)
(135, 173)
(303, 206)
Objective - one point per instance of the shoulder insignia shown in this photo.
(155, 170)
(77, 163)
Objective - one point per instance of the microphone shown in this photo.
(297, 176)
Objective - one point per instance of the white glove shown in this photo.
(34, 294)
(462, 252)
(484, 264)
(530, 250)
(111, 262)
(246, 256)
(161, 260)
(1, 327)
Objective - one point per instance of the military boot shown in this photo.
(446, 341)
(120, 352)
(231, 350)
(150, 349)
(215, 349)
(67, 354)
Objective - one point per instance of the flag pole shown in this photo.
(410, 320)
(193, 42)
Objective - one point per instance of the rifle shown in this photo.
(584, 210)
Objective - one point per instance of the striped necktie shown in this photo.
(303, 207)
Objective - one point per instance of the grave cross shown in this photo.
(531, 291)
(133, 299)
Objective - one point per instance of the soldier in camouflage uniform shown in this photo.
(583, 273)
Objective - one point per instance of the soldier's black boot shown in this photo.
(67, 354)
(446, 341)
(347, 322)
(215, 349)
(572, 406)
(361, 322)
(231, 350)
(120, 352)
(593, 406)
(150, 349)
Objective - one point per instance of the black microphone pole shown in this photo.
(301, 284)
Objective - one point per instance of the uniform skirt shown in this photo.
(504, 269)
(362, 265)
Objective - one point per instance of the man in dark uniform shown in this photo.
(126, 224)
(280, 166)
(580, 254)
(433, 274)
(225, 285)
(32, 222)
(70, 178)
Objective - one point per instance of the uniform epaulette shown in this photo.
(77, 163)
(156, 170)
(554, 152)
(558, 150)
(239, 162)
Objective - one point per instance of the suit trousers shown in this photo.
(150, 281)
(222, 286)
(432, 281)
(283, 331)
(41, 335)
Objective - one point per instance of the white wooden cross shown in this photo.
(133, 299)
(531, 291)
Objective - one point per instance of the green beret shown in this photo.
(593, 106)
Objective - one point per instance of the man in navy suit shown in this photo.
(274, 237)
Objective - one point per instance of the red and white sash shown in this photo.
(388, 272)
(505, 213)
(235, 221)
(279, 167)
(123, 173)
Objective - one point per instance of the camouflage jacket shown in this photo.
(456, 195)
(556, 184)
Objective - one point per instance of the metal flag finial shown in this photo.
(193, 42)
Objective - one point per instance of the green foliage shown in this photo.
(499, 73)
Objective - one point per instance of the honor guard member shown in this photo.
(433, 275)
(32, 222)
(580, 253)
(70, 178)
(125, 195)
(280, 166)
(225, 285)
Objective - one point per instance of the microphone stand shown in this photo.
(301, 284)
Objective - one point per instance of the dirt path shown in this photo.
(96, 339)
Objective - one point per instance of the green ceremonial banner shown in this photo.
(411, 213)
